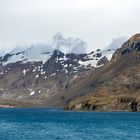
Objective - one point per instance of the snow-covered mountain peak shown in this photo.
(65, 51)
(66, 45)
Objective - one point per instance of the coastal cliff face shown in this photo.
(87, 81)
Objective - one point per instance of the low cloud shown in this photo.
(117, 42)
(66, 45)
(69, 45)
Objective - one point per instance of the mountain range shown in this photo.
(63, 75)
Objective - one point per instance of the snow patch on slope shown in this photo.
(93, 58)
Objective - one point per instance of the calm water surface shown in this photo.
(50, 124)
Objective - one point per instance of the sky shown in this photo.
(97, 22)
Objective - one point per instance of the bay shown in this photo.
(53, 124)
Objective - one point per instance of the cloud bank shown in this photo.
(66, 45)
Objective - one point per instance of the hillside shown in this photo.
(115, 86)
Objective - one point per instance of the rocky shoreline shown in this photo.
(122, 103)
(97, 104)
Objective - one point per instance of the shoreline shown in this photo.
(66, 110)
(93, 107)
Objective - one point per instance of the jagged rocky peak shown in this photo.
(135, 38)
(130, 47)
(93, 59)
(58, 53)
(133, 44)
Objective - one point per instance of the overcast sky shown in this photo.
(95, 21)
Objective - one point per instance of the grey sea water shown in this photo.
(51, 124)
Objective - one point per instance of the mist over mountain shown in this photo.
(59, 42)
(116, 42)
(69, 45)
(66, 45)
